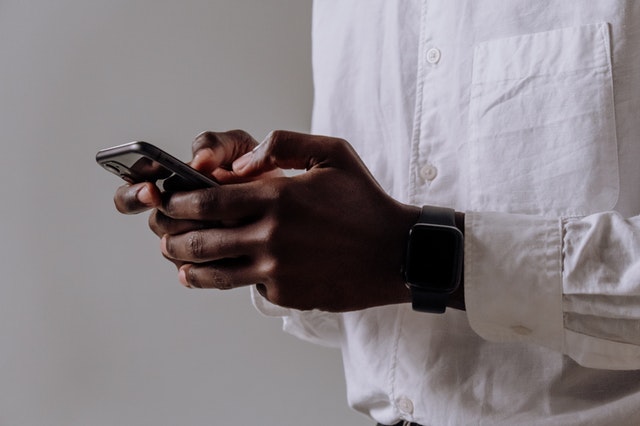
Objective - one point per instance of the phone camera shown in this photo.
(112, 167)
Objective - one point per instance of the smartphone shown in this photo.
(144, 162)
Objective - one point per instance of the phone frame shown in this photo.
(118, 160)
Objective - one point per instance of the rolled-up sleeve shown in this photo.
(572, 285)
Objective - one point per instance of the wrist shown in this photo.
(410, 216)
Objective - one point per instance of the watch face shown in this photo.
(434, 257)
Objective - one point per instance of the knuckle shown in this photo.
(271, 239)
(193, 278)
(209, 277)
(285, 203)
(241, 142)
(338, 146)
(194, 245)
(236, 138)
(240, 135)
(201, 202)
(221, 281)
(207, 139)
(269, 268)
(285, 191)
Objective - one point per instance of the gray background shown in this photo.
(94, 327)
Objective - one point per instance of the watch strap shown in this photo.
(428, 301)
(424, 300)
(437, 216)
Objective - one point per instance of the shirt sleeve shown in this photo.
(569, 284)
(321, 328)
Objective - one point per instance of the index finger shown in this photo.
(212, 150)
(228, 203)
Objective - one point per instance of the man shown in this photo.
(521, 118)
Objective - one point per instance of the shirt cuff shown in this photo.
(513, 278)
(320, 328)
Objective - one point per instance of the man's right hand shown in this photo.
(328, 239)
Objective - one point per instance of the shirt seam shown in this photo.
(560, 268)
(417, 120)
(395, 360)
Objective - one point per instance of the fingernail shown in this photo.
(144, 195)
(182, 277)
(242, 162)
(258, 146)
(201, 156)
(163, 245)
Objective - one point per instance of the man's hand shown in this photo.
(213, 154)
(329, 238)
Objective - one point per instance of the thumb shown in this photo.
(290, 150)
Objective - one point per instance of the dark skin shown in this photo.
(328, 239)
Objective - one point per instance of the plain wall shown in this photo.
(94, 326)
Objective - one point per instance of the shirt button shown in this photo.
(405, 405)
(433, 55)
(428, 172)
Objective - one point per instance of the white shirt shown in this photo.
(525, 115)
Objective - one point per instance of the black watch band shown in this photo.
(434, 259)
(428, 301)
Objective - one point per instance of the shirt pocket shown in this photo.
(542, 123)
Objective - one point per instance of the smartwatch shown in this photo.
(433, 259)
